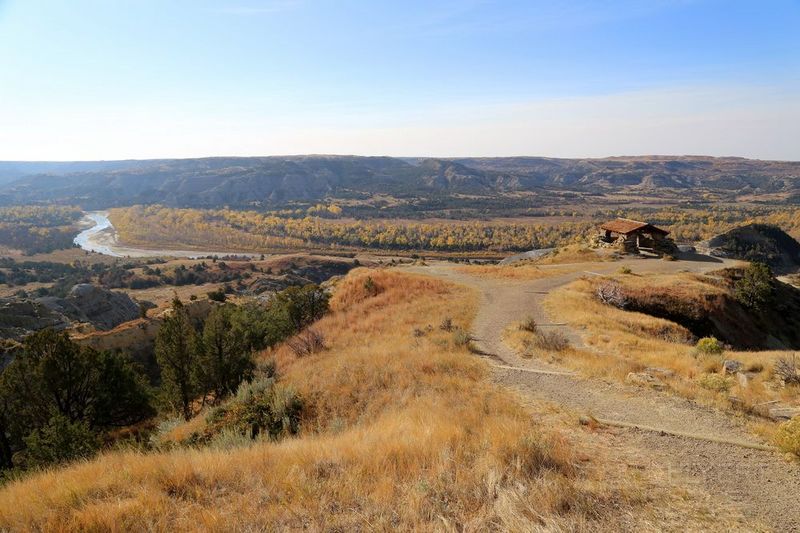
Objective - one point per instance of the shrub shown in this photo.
(788, 436)
(709, 346)
(551, 341)
(610, 293)
(786, 369)
(715, 382)
(58, 441)
(370, 286)
(265, 407)
(260, 408)
(447, 324)
(528, 324)
(217, 295)
(461, 338)
(625, 270)
(307, 342)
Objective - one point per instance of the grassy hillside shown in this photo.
(401, 430)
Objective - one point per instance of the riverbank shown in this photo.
(101, 237)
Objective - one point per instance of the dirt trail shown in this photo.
(762, 484)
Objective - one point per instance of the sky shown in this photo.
(117, 79)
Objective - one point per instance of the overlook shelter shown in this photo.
(633, 235)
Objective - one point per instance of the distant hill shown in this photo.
(12, 170)
(760, 243)
(275, 181)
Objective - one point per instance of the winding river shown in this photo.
(90, 238)
(101, 237)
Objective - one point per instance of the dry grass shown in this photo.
(163, 295)
(521, 270)
(402, 432)
(543, 342)
(544, 267)
(577, 253)
(619, 342)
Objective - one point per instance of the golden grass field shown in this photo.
(402, 432)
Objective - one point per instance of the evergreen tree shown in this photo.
(755, 289)
(53, 384)
(60, 440)
(226, 358)
(303, 305)
(176, 354)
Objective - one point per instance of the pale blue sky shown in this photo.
(107, 79)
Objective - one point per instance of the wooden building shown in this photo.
(635, 235)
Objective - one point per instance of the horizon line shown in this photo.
(332, 155)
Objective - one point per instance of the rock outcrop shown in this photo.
(19, 317)
(102, 308)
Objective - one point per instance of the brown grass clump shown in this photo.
(528, 324)
(715, 382)
(306, 342)
(399, 433)
(788, 436)
(552, 341)
(786, 369)
(529, 340)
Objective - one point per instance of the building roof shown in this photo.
(626, 226)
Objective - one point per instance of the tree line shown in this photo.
(38, 229)
(249, 230)
(254, 231)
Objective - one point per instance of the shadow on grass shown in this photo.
(698, 257)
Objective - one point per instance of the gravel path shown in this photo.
(762, 484)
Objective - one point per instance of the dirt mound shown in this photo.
(759, 243)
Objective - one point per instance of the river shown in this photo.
(101, 237)
(90, 238)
